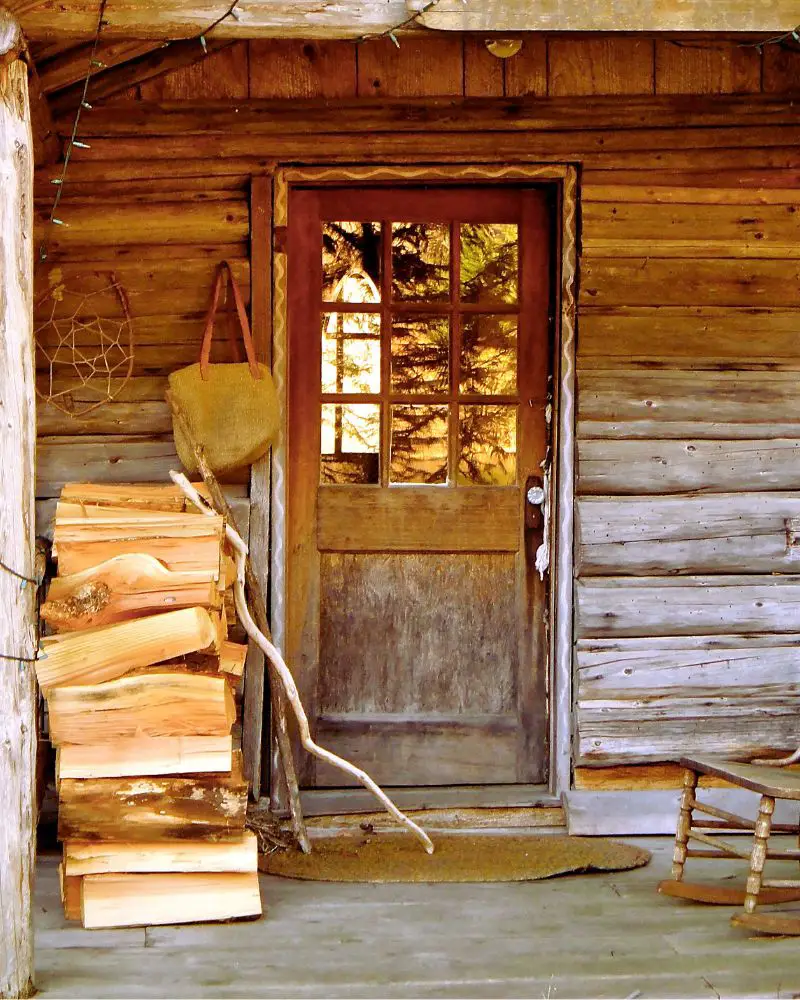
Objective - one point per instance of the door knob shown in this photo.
(534, 507)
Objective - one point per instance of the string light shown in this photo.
(391, 33)
(83, 104)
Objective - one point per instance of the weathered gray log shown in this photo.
(17, 436)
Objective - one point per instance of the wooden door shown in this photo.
(418, 380)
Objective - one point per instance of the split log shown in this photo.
(70, 894)
(87, 858)
(124, 587)
(85, 536)
(144, 705)
(144, 755)
(232, 657)
(287, 680)
(203, 807)
(18, 618)
(140, 496)
(183, 898)
(105, 653)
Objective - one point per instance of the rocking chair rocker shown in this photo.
(771, 780)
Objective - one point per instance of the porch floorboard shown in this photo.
(605, 935)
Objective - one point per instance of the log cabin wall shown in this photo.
(687, 622)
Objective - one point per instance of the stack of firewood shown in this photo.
(140, 682)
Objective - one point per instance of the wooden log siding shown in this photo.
(689, 313)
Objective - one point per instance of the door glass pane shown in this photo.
(351, 352)
(421, 261)
(350, 442)
(488, 353)
(489, 262)
(351, 261)
(487, 445)
(419, 444)
(420, 353)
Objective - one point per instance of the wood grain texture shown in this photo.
(647, 281)
(688, 335)
(69, 66)
(202, 807)
(145, 755)
(431, 67)
(18, 630)
(217, 76)
(694, 605)
(691, 230)
(93, 858)
(413, 520)
(147, 704)
(657, 699)
(526, 72)
(781, 69)
(705, 533)
(125, 900)
(662, 466)
(295, 68)
(356, 18)
(126, 586)
(632, 403)
(706, 67)
(164, 223)
(107, 652)
(417, 751)
(610, 65)
(109, 458)
(483, 73)
(459, 663)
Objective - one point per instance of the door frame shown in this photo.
(560, 537)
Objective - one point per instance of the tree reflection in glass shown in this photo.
(419, 444)
(351, 352)
(421, 261)
(420, 354)
(489, 262)
(488, 354)
(487, 445)
(350, 442)
(351, 262)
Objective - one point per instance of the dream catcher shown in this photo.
(84, 345)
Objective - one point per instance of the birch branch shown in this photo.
(285, 674)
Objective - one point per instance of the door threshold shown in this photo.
(538, 820)
(343, 801)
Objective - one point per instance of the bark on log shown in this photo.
(17, 436)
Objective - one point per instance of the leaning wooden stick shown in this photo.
(260, 615)
(289, 686)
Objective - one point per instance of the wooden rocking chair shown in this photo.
(771, 780)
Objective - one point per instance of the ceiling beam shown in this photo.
(776, 16)
(72, 66)
(109, 82)
(173, 19)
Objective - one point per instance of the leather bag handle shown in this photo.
(223, 271)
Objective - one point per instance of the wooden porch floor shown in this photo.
(587, 936)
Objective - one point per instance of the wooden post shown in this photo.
(17, 439)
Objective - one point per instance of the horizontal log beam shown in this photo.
(355, 18)
(307, 117)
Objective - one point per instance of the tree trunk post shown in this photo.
(17, 597)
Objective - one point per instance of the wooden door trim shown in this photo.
(561, 494)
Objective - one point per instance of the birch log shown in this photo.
(17, 437)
